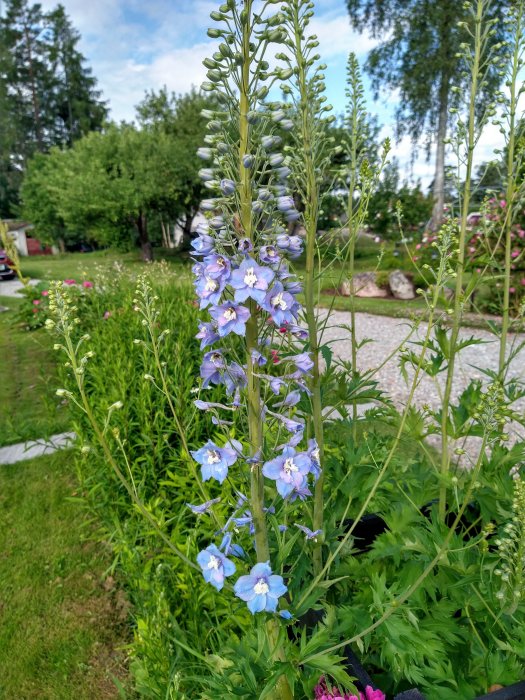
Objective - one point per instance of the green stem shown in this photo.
(262, 548)
(509, 195)
(311, 215)
(458, 301)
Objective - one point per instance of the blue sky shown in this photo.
(137, 45)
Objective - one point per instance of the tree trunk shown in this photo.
(145, 244)
(186, 230)
(439, 177)
(34, 96)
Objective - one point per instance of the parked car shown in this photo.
(6, 270)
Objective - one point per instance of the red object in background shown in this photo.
(34, 247)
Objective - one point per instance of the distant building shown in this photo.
(24, 241)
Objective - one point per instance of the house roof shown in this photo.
(16, 224)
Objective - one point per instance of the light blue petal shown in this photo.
(229, 567)
(277, 586)
(272, 469)
(258, 603)
(243, 588)
(261, 570)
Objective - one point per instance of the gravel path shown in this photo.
(389, 333)
(12, 288)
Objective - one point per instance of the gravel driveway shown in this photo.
(389, 333)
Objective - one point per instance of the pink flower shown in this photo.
(36, 302)
(323, 692)
(512, 290)
(70, 283)
(514, 253)
(35, 311)
(521, 233)
(523, 281)
(45, 293)
(478, 270)
(502, 203)
(471, 249)
(418, 247)
(107, 314)
(86, 284)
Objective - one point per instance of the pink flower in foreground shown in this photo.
(70, 282)
(502, 203)
(323, 692)
(86, 284)
(45, 293)
(107, 314)
(36, 302)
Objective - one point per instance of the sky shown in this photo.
(136, 45)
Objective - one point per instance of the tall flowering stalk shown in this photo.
(243, 279)
(310, 161)
(468, 135)
(514, 189)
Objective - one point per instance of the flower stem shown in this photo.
(459, 293)
(510, 190)
(310, 217)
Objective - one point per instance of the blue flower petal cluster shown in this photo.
(261, 589)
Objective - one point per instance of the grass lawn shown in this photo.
(61, 629)
(29, 408)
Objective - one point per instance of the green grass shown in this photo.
(29, 408)
(79, 266)
(60, 627)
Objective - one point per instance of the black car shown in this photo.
(6, 271)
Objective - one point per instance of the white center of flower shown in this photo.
(221, 262)
(261, 587)
(250, 278)
(211, 285)
(279, 302)
(213, 457)
(214, 562)
(290, 466)
(216, 358)
(315, 454)
(230, 314)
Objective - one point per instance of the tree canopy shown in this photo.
(419, 55)
(48, 96)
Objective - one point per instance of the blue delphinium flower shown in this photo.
(230, 318)
(269, 254)
(313, 453)
(227, 186)
(303, 362)
(251, 281)
(203, 507)
(212, 368)
(203, 244)
(280, 304)
(209, 289)
(260, 589)
(207, 334)
(215, 566)
(289, 470)
(217, 266)
(310, 535)
(214, 461)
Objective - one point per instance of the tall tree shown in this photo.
(47, 95)
(420, 58)
(180, 119)
(75, 102)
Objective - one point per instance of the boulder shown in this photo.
(401, 286)
(363, 284)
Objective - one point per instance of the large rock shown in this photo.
(363, 284)
(401, 286)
